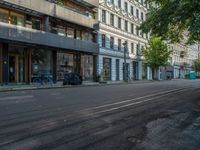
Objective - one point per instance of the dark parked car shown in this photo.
(72, 79)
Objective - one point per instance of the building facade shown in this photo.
(182, 59)
(120, 40)
(48, 36)
(180, 62)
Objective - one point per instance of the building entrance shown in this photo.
(16, 64)
(16, 68)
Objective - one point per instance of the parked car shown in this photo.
(72, 79)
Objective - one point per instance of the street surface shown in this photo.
(145, 116)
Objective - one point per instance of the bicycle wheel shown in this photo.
(36, 82)
(48, 82)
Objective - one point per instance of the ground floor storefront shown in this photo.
(112, 69)
(21, 63)
(181, 72)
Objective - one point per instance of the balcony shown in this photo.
(92, 2)
(40, 6)
(35, 37)
(88, 3)
(52, 9)
(74, 17)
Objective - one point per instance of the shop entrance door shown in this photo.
(16, 68)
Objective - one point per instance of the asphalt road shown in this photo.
(146, 116)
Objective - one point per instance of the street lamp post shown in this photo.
(125, 65)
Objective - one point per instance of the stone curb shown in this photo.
(8, 89)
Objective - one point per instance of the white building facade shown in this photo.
(118, 22)
(182, 59)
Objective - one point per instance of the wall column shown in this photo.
(28, 66)
(5, 63)
(46, 24)
(1, 63)
(54, 66)
(140, 70)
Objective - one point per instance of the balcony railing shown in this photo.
(31, 36)
(52, 9)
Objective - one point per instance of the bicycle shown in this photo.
(43, 80)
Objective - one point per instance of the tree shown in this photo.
(169, 19)
(196, 65)
(156, 54)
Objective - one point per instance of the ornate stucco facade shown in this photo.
(118, 22)
(182, 59)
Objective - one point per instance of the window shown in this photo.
(142, 16)
(112, 1)
(147, 36)
(119, 44)
(137, 13)
(86, 36)
(103, 16)
(142, 35)
(17, 19)
(4, 15)
(78, 35)
(146, 4)
(138, 49)
(126, 6)
(137, 31)
(107, 68)
(132, 48)
(112, 42)
(142, 49)
(87, 63)
(103, 40)
(142, 2)
(41, 61)
(119, 23)
(126, 46)
(91, 37)
(132, 28)
(61, 30)
(132, 11)
(70, 32)
(36, 24)
(119, 3)
(126, 25)
(111, 19)
(65, 63)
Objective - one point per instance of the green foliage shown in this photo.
(156, 53)
(196, 65)
(171, 18)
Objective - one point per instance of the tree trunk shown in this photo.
(155, 73)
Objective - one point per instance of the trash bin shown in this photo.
(192, 75)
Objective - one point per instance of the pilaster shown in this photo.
(5, 63)
(1, 63)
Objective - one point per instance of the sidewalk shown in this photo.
(18, 87)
